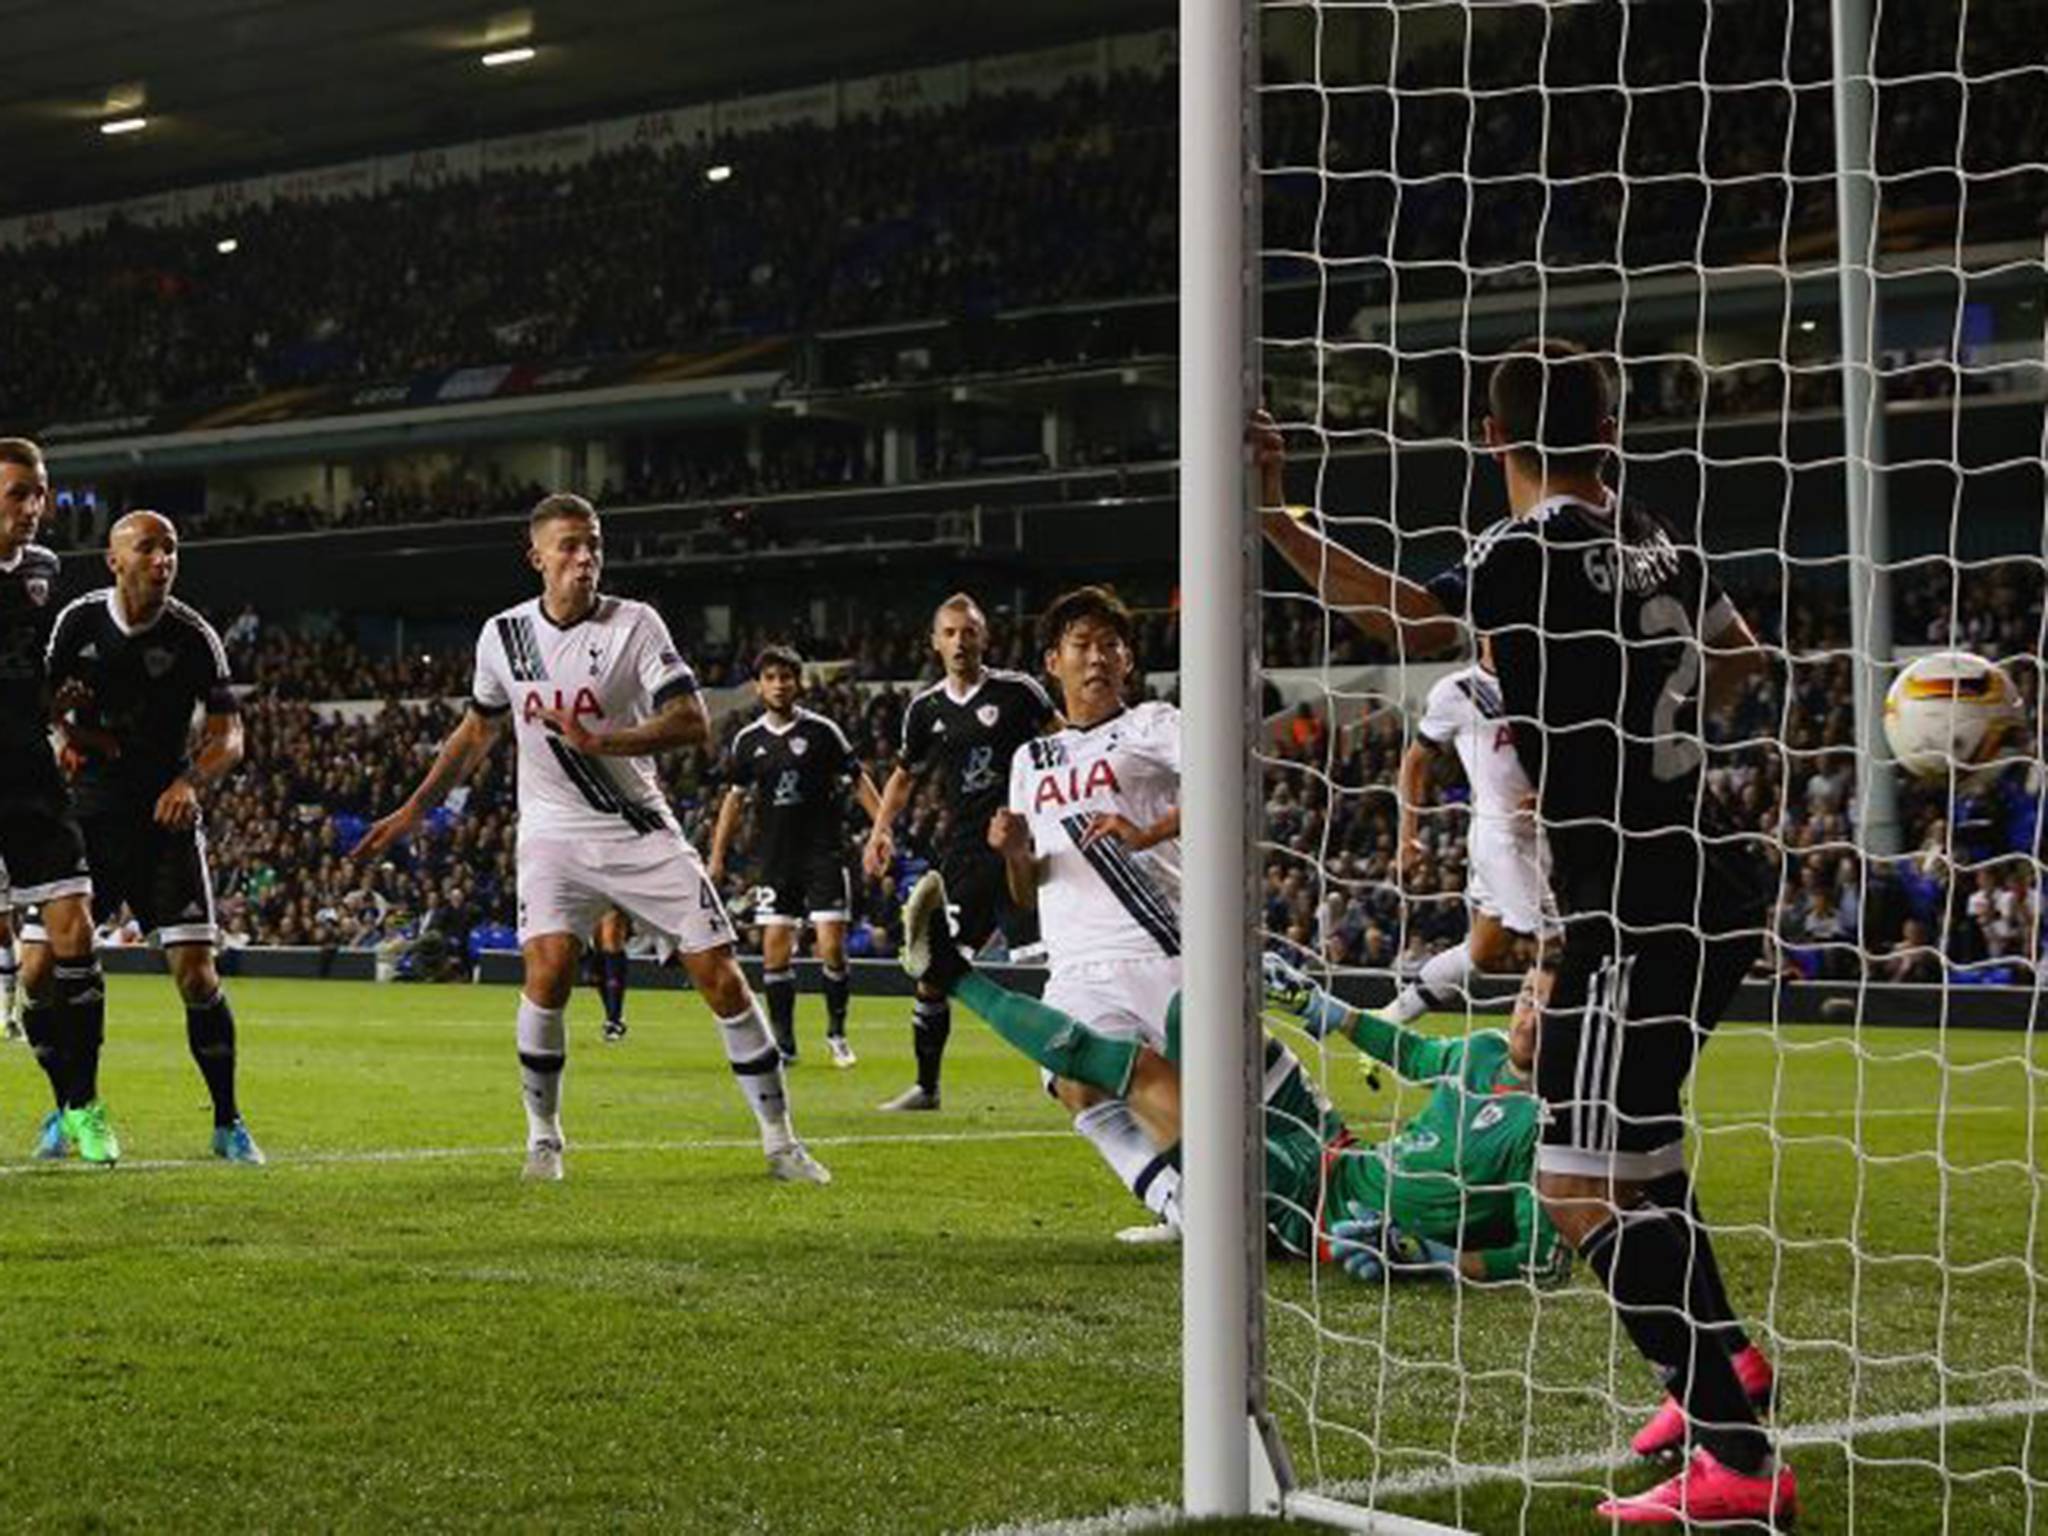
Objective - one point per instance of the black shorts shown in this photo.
(42, 851)
(161, 876)
(811, 884)
(1626, 1018)
(978, 891)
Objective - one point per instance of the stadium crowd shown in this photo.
(1966, 901)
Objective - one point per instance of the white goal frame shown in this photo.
(1233, 1461)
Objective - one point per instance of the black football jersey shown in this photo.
(798, 771)
(1597, 616)
(146, 683)
(28, 607)
(969, 741)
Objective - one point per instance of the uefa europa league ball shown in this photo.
(1951, 711)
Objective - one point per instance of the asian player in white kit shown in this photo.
(593, 688)
(1091, 838)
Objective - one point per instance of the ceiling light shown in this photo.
(1809, 325)
(227, 247)
(123, 125)
(718, 173)
(507, 56)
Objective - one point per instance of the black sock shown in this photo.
(1641, 1258)
(838, 987)
(932, 1021)
(40, 1023)
(210, 1034)
(780, 989)
(611, 983)
(81, 1009)
(1709, 1293)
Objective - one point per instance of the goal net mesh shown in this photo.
(1659, 184)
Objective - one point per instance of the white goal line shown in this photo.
(1559, 1469)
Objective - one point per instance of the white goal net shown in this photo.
(1807, 240)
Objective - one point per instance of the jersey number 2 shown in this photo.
(1672, 756)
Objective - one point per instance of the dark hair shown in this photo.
(19, 450)
(559, 504)
(1549, 399)
(1071, 608)
(778, 656)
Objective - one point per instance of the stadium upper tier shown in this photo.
(1567, 138)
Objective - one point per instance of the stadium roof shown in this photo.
(238, 87)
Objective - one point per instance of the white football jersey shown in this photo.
(1107, 903)
(1464, 710)
(615, 668)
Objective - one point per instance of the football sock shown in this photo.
(1642, 1258)
(1062, 1045)
(838, 987)
(543, 1052)
(758, 1066)
(932, 1021)
(1150, 1174)
(46, 1040)
(10, 973)
(1709, 1293)
(1438, 985)
(81, 1009)
(779, 987)
(210, 1035)
(611, 983)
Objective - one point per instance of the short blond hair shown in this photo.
(557, 506)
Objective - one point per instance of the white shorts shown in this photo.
(1510, 880)
(566, 885)
(1125, 999)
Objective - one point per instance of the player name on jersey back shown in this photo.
(615, 668)
(1104, 902)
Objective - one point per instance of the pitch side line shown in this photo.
(376, 1155)
(1152, 1517)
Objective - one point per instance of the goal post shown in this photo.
(1378, 200)
(1220, 1256)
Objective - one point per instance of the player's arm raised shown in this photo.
(467, 746)
(1381, 603)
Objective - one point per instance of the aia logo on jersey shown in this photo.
(1503, 738)
(585, 703)
(1063, 789)
(988, 714)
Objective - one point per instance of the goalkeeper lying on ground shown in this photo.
(1452, 1187)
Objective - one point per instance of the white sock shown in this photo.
(543, 1051)
(758, 1066)
(1145, 1171)
(1437, 986)
(10, 968)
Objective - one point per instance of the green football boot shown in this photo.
(89, 1128)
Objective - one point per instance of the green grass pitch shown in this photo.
(386, 1328)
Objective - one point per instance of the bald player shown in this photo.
(130, 666)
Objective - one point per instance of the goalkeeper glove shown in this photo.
(1368, 1246)
(1289, 989)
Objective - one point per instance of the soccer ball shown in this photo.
(1950, 710)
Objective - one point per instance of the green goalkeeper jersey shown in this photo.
(1459, 1172)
